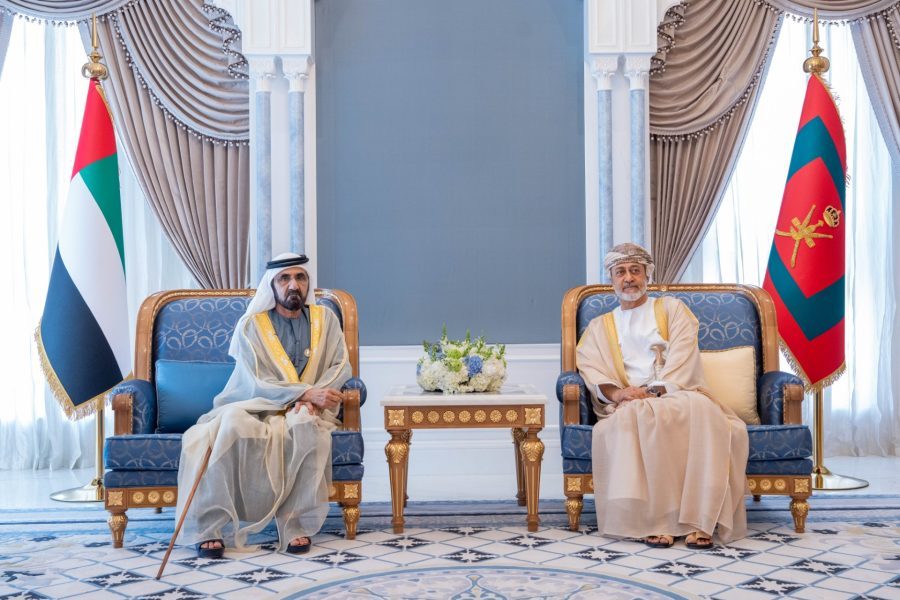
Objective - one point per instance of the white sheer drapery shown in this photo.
(860, 415)
(42, 98)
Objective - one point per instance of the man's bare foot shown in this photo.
(212, 544)
(659, 541)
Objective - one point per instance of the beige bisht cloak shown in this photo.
(668, 465)
(264, 463)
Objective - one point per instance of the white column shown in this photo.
(603, 68)
(296, 70)
(279, 33)
(637, 68)
(262, 72)
(617, 30)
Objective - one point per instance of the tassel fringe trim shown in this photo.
(808, 385)
(73, 413)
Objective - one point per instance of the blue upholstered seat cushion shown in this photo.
(185, 390)
(795, 466)
(143, 452)
(767, 442)
(779, 442)
(162, 451)
(124, 479)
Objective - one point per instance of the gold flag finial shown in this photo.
(94, 69)
(816, 63)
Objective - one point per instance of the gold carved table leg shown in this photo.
(532, 454)
(397, 452)
(518, 437)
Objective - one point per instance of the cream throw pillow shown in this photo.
(731, 377)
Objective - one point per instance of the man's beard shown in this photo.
(292, 301)
(632, 296)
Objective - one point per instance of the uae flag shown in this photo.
(83, 334)
(805, 273)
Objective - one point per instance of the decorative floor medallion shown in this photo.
(464, 551)
(494, 583)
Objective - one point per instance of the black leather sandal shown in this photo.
(211, 552)
(662, 541)
(300, 548)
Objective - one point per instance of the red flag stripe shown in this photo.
(97, 139)
(820, 103)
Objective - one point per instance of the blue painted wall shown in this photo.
(450, 156)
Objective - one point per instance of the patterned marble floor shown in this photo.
(844, 554)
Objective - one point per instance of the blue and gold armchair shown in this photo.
(181, 363)
(730, 317)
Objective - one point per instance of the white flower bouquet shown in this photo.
(459, 366)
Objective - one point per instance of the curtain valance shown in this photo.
(833, 10)
(185, 54)
(178, 91)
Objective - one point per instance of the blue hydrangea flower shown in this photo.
(418, 368)
(474, 364)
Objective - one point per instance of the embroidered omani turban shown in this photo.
(628, 253)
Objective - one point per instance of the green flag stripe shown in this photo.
(814, 141)
(102, 180)
(818, 313)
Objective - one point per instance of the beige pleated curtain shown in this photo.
(703, 92)
(179, 96)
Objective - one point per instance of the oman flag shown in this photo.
(805, 273)
(83, 334)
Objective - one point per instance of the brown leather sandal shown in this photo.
(698, 541)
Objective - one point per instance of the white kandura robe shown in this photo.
(668, 465)
(265, 464)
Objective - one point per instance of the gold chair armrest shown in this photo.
(793, 404)
(350, 421)
(123, 407)
(570, 404)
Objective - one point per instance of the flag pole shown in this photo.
(822, 477)
(93, 491)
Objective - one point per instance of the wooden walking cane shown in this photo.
(187, 505)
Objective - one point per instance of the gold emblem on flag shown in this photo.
(804, 232)
(832, 216)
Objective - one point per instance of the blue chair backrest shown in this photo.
(200, 329)
(190, 336)
(197, 329)
(727, 319)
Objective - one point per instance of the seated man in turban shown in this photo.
(270, 428)
(668, 458)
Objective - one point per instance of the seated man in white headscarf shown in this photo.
(668, 458)
(270, 428)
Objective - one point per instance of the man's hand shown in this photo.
(627, 394)
(322, 398)
(311, 408)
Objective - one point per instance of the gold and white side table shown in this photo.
(519, 408)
